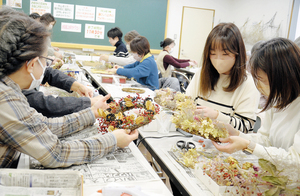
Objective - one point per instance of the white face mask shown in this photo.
(136, 57)
(171, 50)
(128, 47)
(36, 83)
(50, 26)
(223, 66)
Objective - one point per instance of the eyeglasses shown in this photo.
(49, 61)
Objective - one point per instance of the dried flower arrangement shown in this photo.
(114, 117)
(186, 120)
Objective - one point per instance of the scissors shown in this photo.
(185, 145)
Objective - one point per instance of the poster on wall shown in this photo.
(71, 27)
(106, 15)
(14, 3)
(40, 7)
(94, 31)
(85, 13)
(61, 10)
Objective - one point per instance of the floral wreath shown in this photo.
(115, 118)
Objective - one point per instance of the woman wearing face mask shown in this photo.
(49, 21)
(144, 70)
(122, 60)
(275, 67)
(222, 88)
(24, 130)
(165, 60)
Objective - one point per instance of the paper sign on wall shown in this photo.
(40, 7)
(85, 13)
(94, 31)
(106, 15)
(63, 10)
(14, 3)
(71, 27)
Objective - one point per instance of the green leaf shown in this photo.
(276, 180)
(273, 191)
(267, 166)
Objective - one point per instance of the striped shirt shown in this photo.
(23, 129)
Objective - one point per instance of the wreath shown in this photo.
(115, 118)
(133, 90)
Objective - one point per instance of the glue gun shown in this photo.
(119, 190)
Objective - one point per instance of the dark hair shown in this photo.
(47, 18)
(140, 45)
(34, 15)
(21, 38)
(166, 42)
(256, 46)
(227, 37)
(115, 32)
(279, 59)
(131, 35)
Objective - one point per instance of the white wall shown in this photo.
(237, 11)
(175, 15)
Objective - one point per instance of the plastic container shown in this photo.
(107, 79)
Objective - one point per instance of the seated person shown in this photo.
(144, 70)
(275, 66)
(23, 129)
(222, 87)
(115, 39)
(165, 61)
(51, 106)
(49, 21)
(122, 60)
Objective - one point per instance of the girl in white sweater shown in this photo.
(275, 67)
(222, 87)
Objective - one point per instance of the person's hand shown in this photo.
(100, 104)
(113, 70)
(95, 99)
(56, 48)
(235, 143)
(195, 62)
(104, 57)
(231, 131)
(207, 112)
(124, 137)
(57, 60)
(117, 67)
(82, 90)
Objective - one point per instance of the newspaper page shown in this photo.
(39, 183)
(119, 166)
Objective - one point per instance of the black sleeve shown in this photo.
(51, 106)
(58, 79)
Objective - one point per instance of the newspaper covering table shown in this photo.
(40, 183)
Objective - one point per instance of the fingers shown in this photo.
(224, 140)
(106, 97)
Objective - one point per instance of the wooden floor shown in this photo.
(148, 156)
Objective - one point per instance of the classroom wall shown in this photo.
(257, 12)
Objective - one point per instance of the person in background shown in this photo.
(144, 70)
(165, 60)
(51, 106)
(168, 82)
(23, 129)
(122, 60)
(115, 39)
(49, 21)
(222, 87)
(275, 67)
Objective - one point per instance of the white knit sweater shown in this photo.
(278, 140)
(237, 108)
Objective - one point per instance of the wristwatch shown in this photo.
(250, 148)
